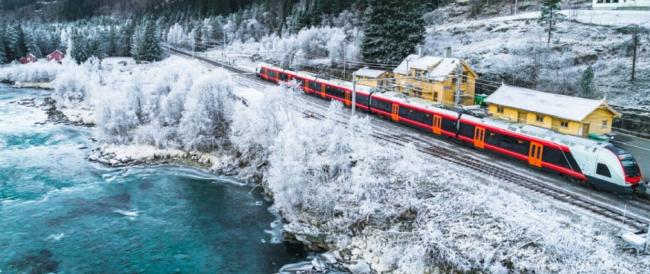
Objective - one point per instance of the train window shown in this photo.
(423, 117)
(283, 76)
(314, 86)
(492, 138)
(603, 170)
(361, 99)
(263, 71)
(466, 130)
(379, 104)
(334, 91)
(271, 73)
(510, 143)
(406, 112)
(554, 156)
(449, 125)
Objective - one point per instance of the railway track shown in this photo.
(430, 148)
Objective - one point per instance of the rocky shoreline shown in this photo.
(325, 258)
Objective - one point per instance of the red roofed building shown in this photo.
(56, 55)
(30, 58)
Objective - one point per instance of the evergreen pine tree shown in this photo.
(125, 42)
(111, 45)
(199, 44)
(392, 31)
(150, 45)
(20, 43)
(32, 45)
(549, 16)
(587, 82)
(3, 38)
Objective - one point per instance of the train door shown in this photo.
(347, 100)
(535, 154)
(322, 91)
(395, 114)
(437, 124)
(479, 137)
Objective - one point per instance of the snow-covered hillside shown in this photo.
(513, 49)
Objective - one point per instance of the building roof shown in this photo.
(438, 68)
(561, 106)
(370, 73)
(55, 51)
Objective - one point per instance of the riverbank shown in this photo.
(65, 214)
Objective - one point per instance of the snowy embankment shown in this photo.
(377, 207)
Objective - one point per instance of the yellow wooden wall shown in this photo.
(595, 121)
(577, 128)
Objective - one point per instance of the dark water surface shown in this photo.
(60, 213)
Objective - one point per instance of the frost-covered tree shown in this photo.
(587, 81)
(392, 31)
(549, 17)
(208, 113)
(198, 43)
(146, 46)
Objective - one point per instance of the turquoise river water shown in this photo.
(60, 213)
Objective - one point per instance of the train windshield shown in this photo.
(630, 166)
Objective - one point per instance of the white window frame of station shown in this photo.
(610, 4)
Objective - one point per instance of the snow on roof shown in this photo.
(561, 106)
(438, 68)
(56, 51)
(370, 73)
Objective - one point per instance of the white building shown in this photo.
(621, 4)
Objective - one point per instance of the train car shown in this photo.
(603, 165)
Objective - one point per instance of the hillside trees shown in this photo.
(549, 17)
(392, 31)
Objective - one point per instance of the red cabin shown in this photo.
(56, 55)
(30, 58)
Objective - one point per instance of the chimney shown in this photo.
(448, 52)
(420, 51)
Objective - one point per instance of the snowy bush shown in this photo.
(32, 72)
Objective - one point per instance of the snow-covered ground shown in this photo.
(384, 207)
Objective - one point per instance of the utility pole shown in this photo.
(344, 64)
(458, 94)
(635, 45)
(354, 92)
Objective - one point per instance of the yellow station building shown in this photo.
(561, 113)
(434, 79)
(373, 77)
